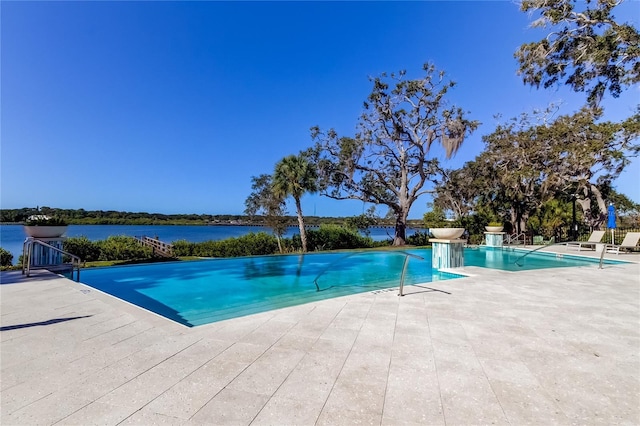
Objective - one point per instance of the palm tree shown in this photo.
(294, 176)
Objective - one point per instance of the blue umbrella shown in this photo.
(611, 220)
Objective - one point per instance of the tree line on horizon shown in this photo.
(113, 217)
(535, 168)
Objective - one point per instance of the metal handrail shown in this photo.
(26, 261)
(540, 248)
(516, 237)
(402, 276)
(604, 250)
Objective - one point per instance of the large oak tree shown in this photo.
(532, 159)
(586, 48)
(387, 160)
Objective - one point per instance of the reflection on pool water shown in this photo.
(201, 292)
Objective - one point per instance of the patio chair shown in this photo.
(630, 241)
(590, 244)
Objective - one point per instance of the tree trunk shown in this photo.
(514, 221)
(404, 204)
(589, 218)
(585, 205)
(519, 217)
(602, 206)
(279, 240)
(524, 217)
(400, 237)
(303, 234)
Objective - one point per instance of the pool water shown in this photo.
(201, 292)
(512, 259)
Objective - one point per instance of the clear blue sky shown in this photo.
(171, 107)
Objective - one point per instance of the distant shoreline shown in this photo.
(112, 217)
(412, 226)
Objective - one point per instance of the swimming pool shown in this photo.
(201, 292)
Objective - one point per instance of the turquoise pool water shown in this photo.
(201, 292)
(511, 259)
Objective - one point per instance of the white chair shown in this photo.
(630, 241)
(590, 244)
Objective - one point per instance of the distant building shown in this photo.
(38, 217)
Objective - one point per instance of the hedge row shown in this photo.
(327, 237)
(113, 248)
(333, 237)
(251, 244)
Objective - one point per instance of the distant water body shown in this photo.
(12, 236)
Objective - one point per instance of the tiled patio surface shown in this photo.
(556, 346)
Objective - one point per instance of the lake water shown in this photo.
(12, 236)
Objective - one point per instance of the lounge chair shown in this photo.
(590, 244)
(630, 241)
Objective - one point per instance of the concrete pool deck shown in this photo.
(553, 346)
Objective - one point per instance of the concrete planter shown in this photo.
(45, 231)
(447, 233)
(494, 228)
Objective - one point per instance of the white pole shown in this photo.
(612, 240)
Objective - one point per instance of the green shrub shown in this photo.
(332, 237)
(260, 243)
(252, 244)
(183, 248)
(435, 219)
(6, 258)
(474, 224)
(123, 248)
(476, 239)
(82, 247)
(208, 249)
(418, 239)
(233, 247)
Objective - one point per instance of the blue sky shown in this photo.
(171, 107)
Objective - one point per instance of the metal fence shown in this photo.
(618, 235)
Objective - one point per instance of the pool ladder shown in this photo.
(28, 248)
